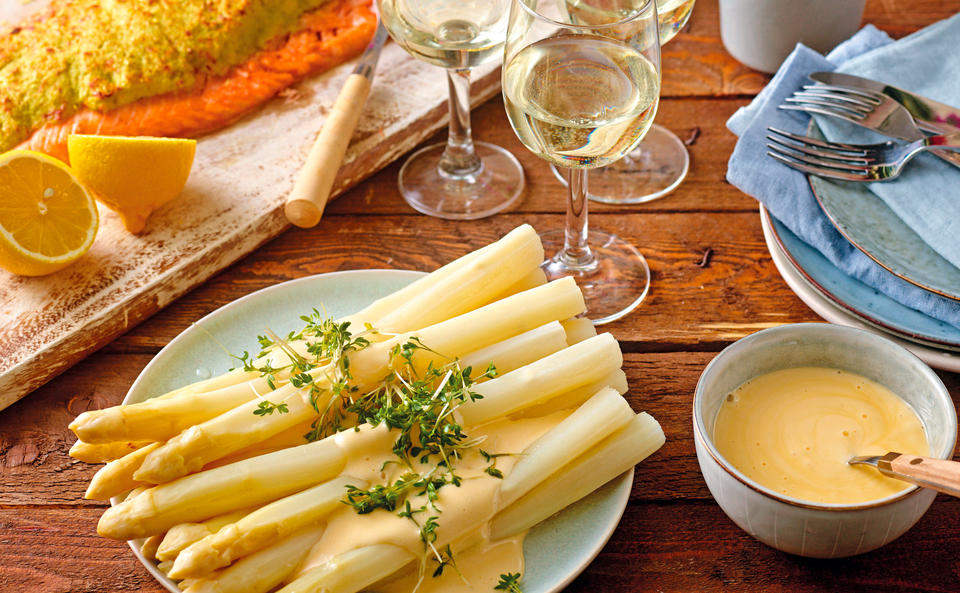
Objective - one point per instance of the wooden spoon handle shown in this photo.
(306, 202)
(937, 474)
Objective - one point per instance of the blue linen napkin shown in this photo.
(786, 193)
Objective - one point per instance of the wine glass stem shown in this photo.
(459, 158)
(576, 254)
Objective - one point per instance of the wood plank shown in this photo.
(694, 547)
(35, 469)
(674, 548)
(900, 19)
(695, 63)
(705, 187)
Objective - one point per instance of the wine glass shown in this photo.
(581, 84)
(658, 164)
(461, 179)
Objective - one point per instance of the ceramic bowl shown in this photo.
(762, 33)
(801, 527)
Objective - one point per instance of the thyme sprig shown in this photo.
(420, 406)
(509, 582)
(266, 408)
(328, 344)
(492, 460)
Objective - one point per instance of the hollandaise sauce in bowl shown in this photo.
(794, 431)
(778, 414)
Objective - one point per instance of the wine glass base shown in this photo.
(614, 286)
(497, 185)
(651, 170)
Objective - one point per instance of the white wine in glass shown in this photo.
(580, 92)
(460, 179)
(580, 101)
(673, 15)
(660, 163)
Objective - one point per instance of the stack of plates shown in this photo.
(843, 300)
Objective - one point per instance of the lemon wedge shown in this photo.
(132, 176)
(47, 218)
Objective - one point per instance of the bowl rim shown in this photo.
(700, 432)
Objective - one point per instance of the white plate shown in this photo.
(556, 551)
(822, 306)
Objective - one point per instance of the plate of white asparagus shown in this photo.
(396, 432)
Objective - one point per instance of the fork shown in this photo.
(851, 162)
(872, 110)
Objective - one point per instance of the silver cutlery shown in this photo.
(866, 108)
(932, 116)
(851, 162)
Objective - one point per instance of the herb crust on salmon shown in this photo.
(163, 67)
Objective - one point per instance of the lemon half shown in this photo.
(48, 219)
(132, 175)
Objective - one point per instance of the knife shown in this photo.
(931, 116)
(306, 202)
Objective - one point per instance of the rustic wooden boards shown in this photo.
(673, 537)
(232, 204)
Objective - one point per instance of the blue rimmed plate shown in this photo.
(555, 551)
(881, 235)
(824, 288)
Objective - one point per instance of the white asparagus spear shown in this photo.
(291, 437)
(518, 351)
(136, 492)
(264, 570)
(535, 278)
(116, 477)
(473, 262)
(352, 571)
(578, 329)
(588, 361)
(261, 528)
(471, 285)
(252, 482)
(200, 444)
(104, 452)
(149, 546)
(180, 536)
(610, 458)
(617, 380)
(159, 419)
(598, 417)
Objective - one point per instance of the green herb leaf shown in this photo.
(509, 582)
(266, 408)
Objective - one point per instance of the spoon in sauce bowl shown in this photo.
(937, 474)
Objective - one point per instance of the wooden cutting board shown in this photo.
(233, 202)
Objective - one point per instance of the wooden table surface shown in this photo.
(673, 537)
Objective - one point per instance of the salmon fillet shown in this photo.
(328, 36)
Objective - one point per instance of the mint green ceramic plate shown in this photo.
(556, 551)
